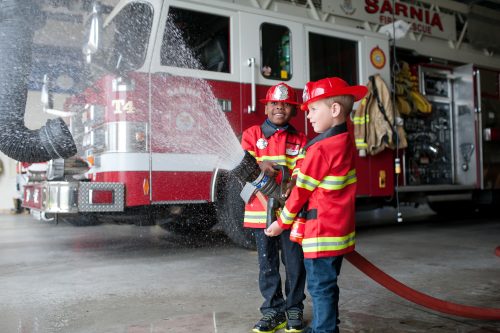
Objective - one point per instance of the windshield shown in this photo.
(125, 38)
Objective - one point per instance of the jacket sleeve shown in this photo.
(248, 141)
(311, 173)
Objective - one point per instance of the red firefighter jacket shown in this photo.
(327, 183)
(266, 143)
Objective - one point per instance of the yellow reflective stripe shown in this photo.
(360, 143)
(338, 182)
(280, 159)
(361, 120)
(251, 152)
(328, 243)
(286, 216)
(295, 172)
(291, 162)
(306, 182)
(255, 217)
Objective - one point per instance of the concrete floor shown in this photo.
(120, 278)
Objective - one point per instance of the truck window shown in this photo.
(205, 36)
(126, 37)
(275, 52)
(331, 56)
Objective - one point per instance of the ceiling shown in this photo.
(492, 4)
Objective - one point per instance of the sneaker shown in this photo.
(270, 322)
(295, 322)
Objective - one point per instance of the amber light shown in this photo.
(145, 186)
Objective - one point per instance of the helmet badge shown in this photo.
(280, 93)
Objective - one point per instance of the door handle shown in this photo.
(251, 64)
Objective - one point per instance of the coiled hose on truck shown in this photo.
(417, 297)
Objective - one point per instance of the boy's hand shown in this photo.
(273, 230)
(267, 168)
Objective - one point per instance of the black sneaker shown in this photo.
(270, 322)
(295, 322)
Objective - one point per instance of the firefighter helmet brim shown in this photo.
(330, 87)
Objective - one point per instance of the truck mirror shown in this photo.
(94, 33)
(47, 99)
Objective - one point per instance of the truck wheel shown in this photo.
(78, 220)
(230, 211)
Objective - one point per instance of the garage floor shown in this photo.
(121, 278)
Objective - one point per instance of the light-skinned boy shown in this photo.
(326, 183)
(276, 142)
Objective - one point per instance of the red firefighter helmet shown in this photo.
(281, 93)
(306, 95)
(330, 87)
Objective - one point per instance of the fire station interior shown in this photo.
(426, 256)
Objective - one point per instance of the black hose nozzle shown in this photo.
(248, 170)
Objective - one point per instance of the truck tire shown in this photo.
(230, 212)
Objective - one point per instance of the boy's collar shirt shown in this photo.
(268, 128)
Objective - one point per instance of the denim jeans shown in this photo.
(268, 249)
(322, 274)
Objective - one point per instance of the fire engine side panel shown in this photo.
(171, 121)
(228, 93)
(181, 186)
(375, 175)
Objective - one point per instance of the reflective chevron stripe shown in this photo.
(287, 217)
(322, 244)
(338, 182)
(254, 217)
(306, 182)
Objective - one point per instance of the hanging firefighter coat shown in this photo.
(374, 120)
(265, 143)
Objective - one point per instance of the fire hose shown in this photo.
(417, 297)
(248, 171)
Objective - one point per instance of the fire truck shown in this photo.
(143, 125)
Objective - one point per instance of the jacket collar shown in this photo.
(269, 128)
(338, 129)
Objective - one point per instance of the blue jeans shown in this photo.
(268, 249)
(322, 274)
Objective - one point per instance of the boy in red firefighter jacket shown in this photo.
(276, 142)
(326, 183)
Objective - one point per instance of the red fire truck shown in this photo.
(157, 67)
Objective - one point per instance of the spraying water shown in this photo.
(189, 116)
